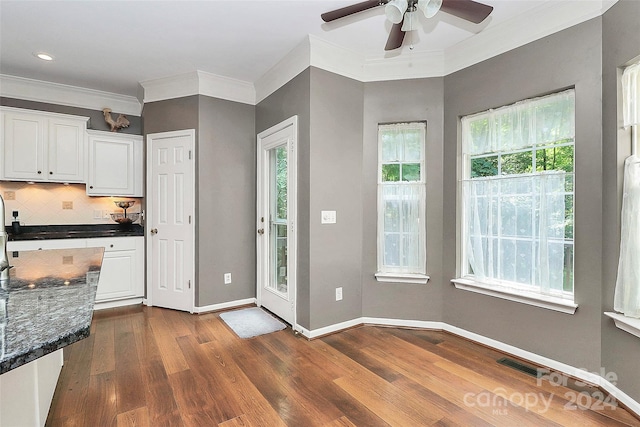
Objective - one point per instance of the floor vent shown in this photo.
(519, 367)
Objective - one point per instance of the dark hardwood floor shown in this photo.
(146, 366)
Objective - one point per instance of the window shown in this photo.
(627, 293)
(518, 199)
(401, 203)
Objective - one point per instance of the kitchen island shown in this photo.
(46, 305)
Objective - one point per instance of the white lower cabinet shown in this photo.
(27, 391)
(122, 273)
(122, 267)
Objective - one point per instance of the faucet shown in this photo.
(4, 258)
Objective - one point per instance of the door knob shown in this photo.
(154, 231)
(261, 231)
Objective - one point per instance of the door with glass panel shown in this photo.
(275, 215)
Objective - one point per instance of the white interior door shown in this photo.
(170, 224)
(276, 241)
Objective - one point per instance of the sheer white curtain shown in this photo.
(627, 293)
(535, 121)
(515, 230)
(403, 206)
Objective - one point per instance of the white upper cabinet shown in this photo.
(43, 147)
(115, 164)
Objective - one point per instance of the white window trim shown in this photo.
(418, 279)
(627, 324)
(531, 298)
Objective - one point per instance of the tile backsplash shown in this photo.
(52, 204)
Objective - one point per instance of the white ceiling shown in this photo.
(113, 45)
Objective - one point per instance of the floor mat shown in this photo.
(251, 322)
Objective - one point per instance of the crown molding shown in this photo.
(315, 52)
(409, 65)
(286, 69)
(336, 59)
(198, 83)
(226, 88)
(171, 87)
(72, 96)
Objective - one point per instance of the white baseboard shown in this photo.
(564, 368)
(328, 329)
(224, 305)
(118, 303)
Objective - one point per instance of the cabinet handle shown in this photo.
(111, 245)
(50, 173)
(39, 172)
(91, 187)
(154, 231)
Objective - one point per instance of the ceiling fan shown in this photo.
(403, 14)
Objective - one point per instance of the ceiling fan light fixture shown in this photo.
(395, 10)
(410, 22)
(429, 7)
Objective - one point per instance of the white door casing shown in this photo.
(170, 220)
(278, 297)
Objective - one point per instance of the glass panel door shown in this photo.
(278, 176)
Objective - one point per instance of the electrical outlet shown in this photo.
(327, 217)
(106, 214)
(227, 278)
(67, 205)
(339, 294)
(97, 214)
(9, 195)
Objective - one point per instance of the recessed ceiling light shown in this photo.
(44, 56)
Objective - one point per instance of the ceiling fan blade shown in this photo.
(467, 9)
(349, 10)
(396, 37)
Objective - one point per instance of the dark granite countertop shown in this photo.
(82, 231)
(48, 302)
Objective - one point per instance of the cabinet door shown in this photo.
(118, 276)
(66, 150)
(24, 136)
(111, 167)
(122, 272)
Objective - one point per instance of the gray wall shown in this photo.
(225, 190)
(290, 100)
(96, 117)
(398, 101)
(226, 157)
(620, 44)
(566, 59)
(170, 115)
(335, 169)
(329, 109)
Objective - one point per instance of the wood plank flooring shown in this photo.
(145, 366)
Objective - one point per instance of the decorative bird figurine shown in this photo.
(119, 123)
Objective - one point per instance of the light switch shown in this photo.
(328, 217)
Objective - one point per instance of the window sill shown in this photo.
(543, 301)
(627, 324)
(417, 279)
